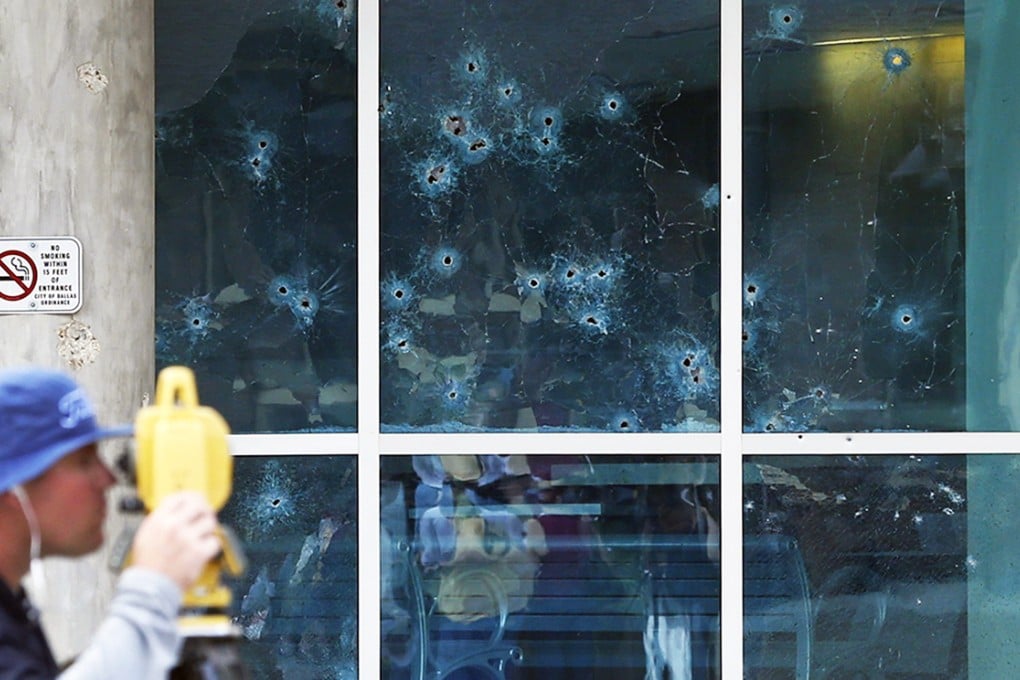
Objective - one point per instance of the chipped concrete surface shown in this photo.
(78, 346)
(94, 80)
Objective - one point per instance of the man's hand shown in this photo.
(178, 538)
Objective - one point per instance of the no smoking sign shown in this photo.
(40, 275)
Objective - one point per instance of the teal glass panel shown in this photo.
(891, 566)
(550, 199)
(550, 566)
(297, 604)
(854, 216)
(993, 216)
(256, 205)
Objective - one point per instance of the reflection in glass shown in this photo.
(546, 566)
(880, 549)
(256, 208)
(297, 604)
(549, 216)
(854, 217)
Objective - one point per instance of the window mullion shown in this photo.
(731, 360)
(369, 591)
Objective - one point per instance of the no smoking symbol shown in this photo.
(17, 275)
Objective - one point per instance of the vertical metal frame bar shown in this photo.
(731, 347)
(368, 341)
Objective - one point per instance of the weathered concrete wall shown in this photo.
(76, 138)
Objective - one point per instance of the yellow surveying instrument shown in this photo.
(182, 446)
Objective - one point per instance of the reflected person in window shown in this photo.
(52, 503)
(486, 554)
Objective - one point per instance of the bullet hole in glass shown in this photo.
(896, 60)
(398, 293)
(456, 125)
(447, 261)
(546, 141)
(282, 290)
(256, 162)
(624, 425)
(263, 143)
(305, 303)
(784, 22)
(592, 320)
(477, 145)
(548, 121)
(275, 502)
(906, 319)
(436, 174)
(533, 282)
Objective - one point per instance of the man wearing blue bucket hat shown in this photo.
(52, 502)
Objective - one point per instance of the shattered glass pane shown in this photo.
(256, 208)
(854, 216)
(550, 566)
(550, 199)
(297, 603)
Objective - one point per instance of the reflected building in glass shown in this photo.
(550, 205)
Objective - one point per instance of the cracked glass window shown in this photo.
(550, 200)
(297, 604)
(550, 566)
(896, 566)
(854, 216)
(256, 208)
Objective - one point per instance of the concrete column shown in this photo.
(76, 159)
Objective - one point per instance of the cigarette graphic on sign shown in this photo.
(16, 268)
(21, 271)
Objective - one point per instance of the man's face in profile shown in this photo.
(69, 501)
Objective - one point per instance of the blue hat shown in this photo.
(44, 415)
